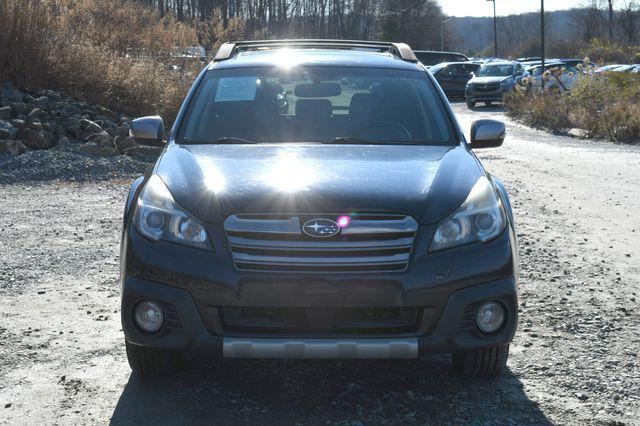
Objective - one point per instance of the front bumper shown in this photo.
(185, 331)
(192, 285)
(475, 94)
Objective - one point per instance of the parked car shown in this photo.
(356, 224)
(607, 68)
(625, 68)
(575, 63)
(565, 81)
(432, 57)
(492, 80)
(453, 76)
(530, 59)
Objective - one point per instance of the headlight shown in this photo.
(507, 82)
(158, 217)
(480, 218)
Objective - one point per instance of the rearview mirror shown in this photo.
(148, 130)
(487, 134)
(317, 90)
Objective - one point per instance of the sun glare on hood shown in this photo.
(212, 178)
(290, 173)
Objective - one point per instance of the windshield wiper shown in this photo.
(234, 141)
(359, 141)
(350, 140)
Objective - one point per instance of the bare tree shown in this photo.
(629, 17)
(610, 2)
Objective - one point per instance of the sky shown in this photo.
(503, 7)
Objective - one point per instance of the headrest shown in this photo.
(361, 104)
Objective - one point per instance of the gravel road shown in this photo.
(574, 358)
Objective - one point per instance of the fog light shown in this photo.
(149, 316)
(490, 317)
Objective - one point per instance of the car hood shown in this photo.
(215, 181)
(488, 80)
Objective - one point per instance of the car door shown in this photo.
(459, 77)
(445, 78)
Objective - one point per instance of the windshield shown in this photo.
(316, 104)
(495, 71)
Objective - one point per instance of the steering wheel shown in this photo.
(383, 130)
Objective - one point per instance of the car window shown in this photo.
(450, 70)
(457, 69)
(429, 58)
(433, 58)
(437, 69)
(495, 70)
(452, 57)
(317, 104)
(469, 68)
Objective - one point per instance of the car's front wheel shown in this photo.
(481, 362)
(471, 104)
(149, 362)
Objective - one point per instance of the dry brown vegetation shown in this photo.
(112, 53)
(602, 106)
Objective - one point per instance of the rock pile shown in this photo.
(49, 120)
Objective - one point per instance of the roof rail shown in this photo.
(401, 50)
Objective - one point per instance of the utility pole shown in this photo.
(442, 32)
(542, 39)
(495, 28)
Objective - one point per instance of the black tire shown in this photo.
(471, 104)
(481, 362)
(149, 362)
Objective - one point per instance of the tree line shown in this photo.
(416, 22)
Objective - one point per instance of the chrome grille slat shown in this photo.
(325, 245)
(269, 226)
(278, 244)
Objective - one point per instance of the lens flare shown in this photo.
(343, 221)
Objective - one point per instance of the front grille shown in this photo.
(492, 87)
(319, 320)
(467, 322)
(369, 243)
(173, 319)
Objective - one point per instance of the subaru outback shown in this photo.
(351, 221)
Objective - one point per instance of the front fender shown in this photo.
(505, 199)
(136, 186)
(133, 193)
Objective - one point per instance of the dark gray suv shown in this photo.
(354, 221)
(492, 80)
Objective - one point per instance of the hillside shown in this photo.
(473, 35)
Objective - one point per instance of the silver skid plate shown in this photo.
(320, 348)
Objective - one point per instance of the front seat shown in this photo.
(313, 118)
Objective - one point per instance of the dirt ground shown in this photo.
(574, 358)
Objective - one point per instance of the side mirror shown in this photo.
(487, 134)
(148, 131)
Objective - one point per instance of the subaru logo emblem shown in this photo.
(320, 228)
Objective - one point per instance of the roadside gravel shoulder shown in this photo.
(574, 359)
